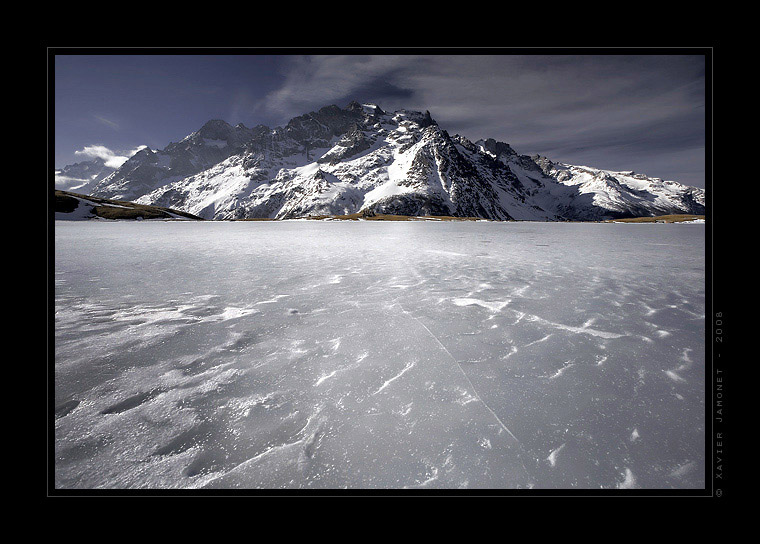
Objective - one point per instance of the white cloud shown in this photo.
(112, 159)
(67, 182)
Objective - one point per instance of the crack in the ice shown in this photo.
(396, 377)
(472, 386)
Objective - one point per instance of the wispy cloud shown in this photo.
(315, 81)
(107, 122)
(112, 159)
(625, 112)
(68, 182)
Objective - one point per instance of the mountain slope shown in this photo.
(360, 158)
(148, 170)
(82, 176)
(77, 207)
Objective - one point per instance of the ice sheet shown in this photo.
(379, 355)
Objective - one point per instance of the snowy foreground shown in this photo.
(307, 354)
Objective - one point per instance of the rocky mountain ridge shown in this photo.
(360, 158)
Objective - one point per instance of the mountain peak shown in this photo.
(369, 108)
(354, 106)
(427, 120)
(215, 129)
(216, 124)
(145, 151)
(343, 160)
(497, 148)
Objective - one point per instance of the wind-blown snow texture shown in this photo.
(345, 160)
(367, 354)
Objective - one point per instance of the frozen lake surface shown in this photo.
(307, 354)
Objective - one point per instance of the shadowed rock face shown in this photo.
(346, 160)
(412, 204)
(319, 127)
(498, 148)
(350, 144)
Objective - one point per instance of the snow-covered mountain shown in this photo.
(345, 160)
(82, 176)
(148, 170)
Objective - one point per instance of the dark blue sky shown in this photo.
(125, 101)
(643, 113)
